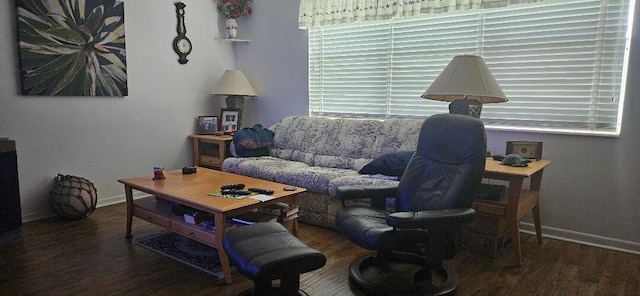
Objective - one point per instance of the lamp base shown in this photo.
(470, 107)
(234, 102)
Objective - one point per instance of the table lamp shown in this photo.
(236, 87)
(467, 83)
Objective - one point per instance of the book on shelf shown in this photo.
(196, 217)
(287, 218)
(254, 217)
(280, 209)
(210, 225)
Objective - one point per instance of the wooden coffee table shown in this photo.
(193, 191)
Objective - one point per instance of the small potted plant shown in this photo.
(233, 9)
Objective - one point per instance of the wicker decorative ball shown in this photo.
(73, 197)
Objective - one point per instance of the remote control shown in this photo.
(261, 191)
(235, 192)
(232, 186)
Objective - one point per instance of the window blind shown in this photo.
(561, 64)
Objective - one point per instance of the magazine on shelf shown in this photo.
(254, 217)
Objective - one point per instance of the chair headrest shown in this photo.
(456, 137)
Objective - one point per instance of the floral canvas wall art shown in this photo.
(72, 47)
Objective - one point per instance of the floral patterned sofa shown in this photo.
(321, 154)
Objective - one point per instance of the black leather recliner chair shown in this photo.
(432, 203)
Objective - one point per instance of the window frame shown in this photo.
(510, 126)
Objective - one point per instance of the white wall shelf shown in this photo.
(233, 40)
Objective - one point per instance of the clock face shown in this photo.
(184, 45)
(524, 150)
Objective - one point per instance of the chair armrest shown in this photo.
(377, 195)
(357, 192)
(431, 219)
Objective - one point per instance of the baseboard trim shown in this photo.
(29, 217)
(112, 200)
(119, 199)
(583, 238)
(102, 202)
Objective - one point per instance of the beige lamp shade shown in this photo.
(465, 77)
(233, 83)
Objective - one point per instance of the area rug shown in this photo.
(185, 250)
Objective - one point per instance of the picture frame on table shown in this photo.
(207, 125)
(229, 120)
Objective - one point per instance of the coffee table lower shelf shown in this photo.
(158, 211)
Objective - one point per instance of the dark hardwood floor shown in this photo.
(92, 257)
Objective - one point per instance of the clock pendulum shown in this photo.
(181, 44)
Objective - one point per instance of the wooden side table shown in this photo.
(210, 150)
(519, 200)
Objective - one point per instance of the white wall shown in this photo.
(590, 192)
(106, 138)
(275, 61)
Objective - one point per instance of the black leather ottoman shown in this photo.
(267, 251)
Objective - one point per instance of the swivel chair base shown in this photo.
(271, 291)
(393, 277)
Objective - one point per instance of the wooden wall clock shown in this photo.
(526, 149)
(181, 44)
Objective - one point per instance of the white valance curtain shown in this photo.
(314, 13)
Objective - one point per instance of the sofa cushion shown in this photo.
(299, 137)
(265, 167)
(341, 162)
(397, 135)
(315, 179)
(389, 164)
(347, 142)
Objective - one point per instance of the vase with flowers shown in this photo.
(233, 9)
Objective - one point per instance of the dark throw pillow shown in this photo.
(253, 141)
(390, 164)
